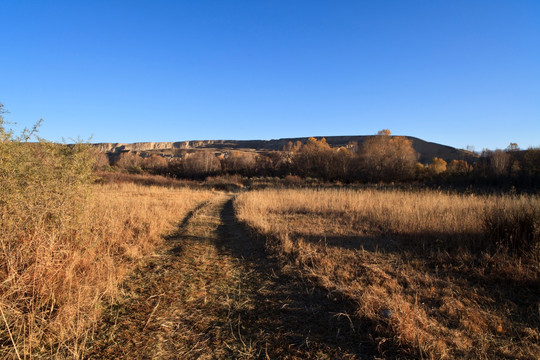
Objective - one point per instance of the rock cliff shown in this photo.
(426, 150)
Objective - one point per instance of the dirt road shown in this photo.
(213, 293)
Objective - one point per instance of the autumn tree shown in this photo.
(387, 158)
(342, 164)
(101, 160)
(155, 163)
(314, 159)
(129, 161)
(458, 167)
(292, 147)
(201, 164)
(420, 171)
(512, 147)
(499, 162)
(239, 162)
(437, 166)
(270, 164)
(285, 161)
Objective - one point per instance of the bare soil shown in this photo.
(212, 292)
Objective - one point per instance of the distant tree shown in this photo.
(531, 163)
(458, 167)
(514, 160)
(130, 161)
(313, 159)
(101, 160)
(273, 163)
(499, 162)
(201, 164)
(155, 163)
(342, 164)
(512, 147)
(287, 156)
(292, 147)
(420, 170)
(437, 166)
(388, 158)
(239, 162)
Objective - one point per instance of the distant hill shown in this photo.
(426, 150)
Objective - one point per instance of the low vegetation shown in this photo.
(440, 275)
(66, 243)
(58, 269)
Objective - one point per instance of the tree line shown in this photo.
(381, 158)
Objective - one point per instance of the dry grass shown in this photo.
(212, 293)
(416, 264)
(118, 177)
(61, 260)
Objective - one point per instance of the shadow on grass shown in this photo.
(293, 317)
(459, 258)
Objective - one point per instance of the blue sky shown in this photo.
(454, 72)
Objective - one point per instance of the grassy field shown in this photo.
(352, 273)
(438, 275)
(62, 260)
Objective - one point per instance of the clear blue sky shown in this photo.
(453, 72)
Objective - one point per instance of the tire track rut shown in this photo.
(213, 293)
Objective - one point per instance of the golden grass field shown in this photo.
(416, 264)
(430, 274)
(57, 274)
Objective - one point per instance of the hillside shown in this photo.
(426, 150)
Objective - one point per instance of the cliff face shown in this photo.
(142, 146)
(153, 146)
(426, 150)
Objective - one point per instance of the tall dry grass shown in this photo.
(451, 220)
(440, 275)
(65, 244)
(56, 277)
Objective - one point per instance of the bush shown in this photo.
(293, 180)
(43, 194)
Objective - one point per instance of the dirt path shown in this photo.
(213, 293)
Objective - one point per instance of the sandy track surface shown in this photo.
(213, 293)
